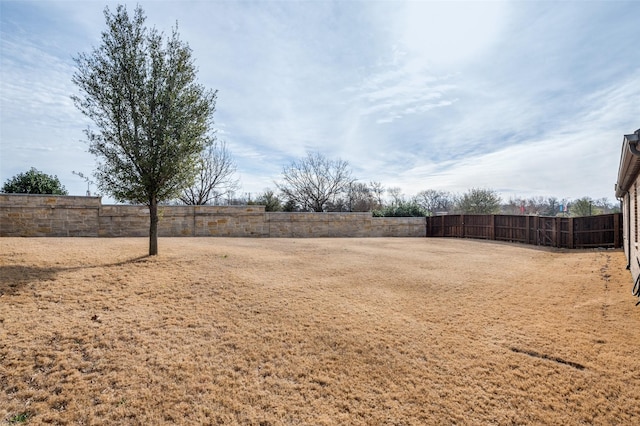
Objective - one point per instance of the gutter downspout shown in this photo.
(628, 204)
(633, 140)
(629, 230)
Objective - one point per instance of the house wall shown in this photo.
(72, 216)
(631, 230)
(627, 189)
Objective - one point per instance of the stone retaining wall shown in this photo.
(48, 215)
(71, 216)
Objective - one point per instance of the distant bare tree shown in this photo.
(396, 195)
(314, 180)
(358, 197)
(515, 205)
(433, 201)
(603, 206)
(338, 204)
(551, 207)
(215, 179)
(536, 205)
(377, 190)
(362, 198)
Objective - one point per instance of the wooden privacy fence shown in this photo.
(566, 232)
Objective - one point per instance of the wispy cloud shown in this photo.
(40, 126)
(577, 158)
(526, 97)
(391, 95)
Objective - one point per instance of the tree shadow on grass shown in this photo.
(15, 277)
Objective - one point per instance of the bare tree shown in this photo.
(363, 198)
(216, 176)
(433, 201)
(550, 207)
(314, 180)
(359, 198)
(397, 197)
(377, 190)
(515, 205)
(603, 206)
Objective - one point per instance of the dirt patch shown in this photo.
(315, 331)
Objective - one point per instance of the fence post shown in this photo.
(616, 230)
(462, 226)
(571, 241)
(492, 230)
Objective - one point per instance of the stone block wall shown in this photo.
(58, 216)
(295, 225)
(183, 221)
(124, 221)
(48, 216)
(230, 221)
(343, 225)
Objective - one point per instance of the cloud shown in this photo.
(392, 95)
(40, 126)
(522, 96)
(448, 34)
(576, 159)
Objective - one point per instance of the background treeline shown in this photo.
(315, 183)
(375, 198)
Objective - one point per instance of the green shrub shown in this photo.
(34, 182)
(401, 210)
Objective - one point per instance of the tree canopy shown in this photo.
(582, 207)
(479, 201)
(152, 120)
(34, 182)
(314, 181)
(269, 200)
(434, 201)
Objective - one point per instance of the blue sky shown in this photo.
(526, 98)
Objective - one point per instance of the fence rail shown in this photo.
(565, 232)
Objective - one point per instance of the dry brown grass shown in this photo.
(319, 331)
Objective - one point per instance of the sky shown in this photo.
(527, 98)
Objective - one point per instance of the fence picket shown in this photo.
(564, 232)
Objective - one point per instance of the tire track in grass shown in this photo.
(548, 357)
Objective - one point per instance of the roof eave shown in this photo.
(629, 163)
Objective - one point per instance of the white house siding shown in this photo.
(627, 191)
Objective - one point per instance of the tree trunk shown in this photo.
(153, 227)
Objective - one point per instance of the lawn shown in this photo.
(379, 331)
